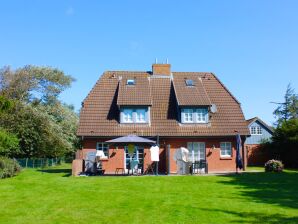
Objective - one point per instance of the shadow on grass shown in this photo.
(66, 172)
(256, 217)
(272, 188)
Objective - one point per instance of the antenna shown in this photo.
(167, 61)
(155, 60)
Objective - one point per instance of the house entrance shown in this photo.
(137, 155)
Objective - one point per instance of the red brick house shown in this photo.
(182, 109)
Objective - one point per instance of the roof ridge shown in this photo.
(123, 71)
(203, 73)
(225, 88)
(261, 121)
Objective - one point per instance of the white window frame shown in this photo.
(255, 130)
(223, 148)
(188, 115)
(201, 113)
(130, 82)
(140, 116)
(125, 115)
(194, 116)
(104, 147)
(200, 155)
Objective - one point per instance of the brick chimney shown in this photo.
(161, 69)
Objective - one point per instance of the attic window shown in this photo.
(130, 82)
(189, 82)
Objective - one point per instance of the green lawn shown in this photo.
(52, 196)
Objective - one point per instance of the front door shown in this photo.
(137, 155)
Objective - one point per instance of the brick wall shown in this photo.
(215, 162)
(161, 69)
(77, 167)
(256, 156)
(116, 156)
(167, 163)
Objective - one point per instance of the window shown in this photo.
(188, 113)
(134, 115)
(255, 130)
(225, 149)
(130, 82)
(194, 115)
(140, 116)
(104, 147)
(202, 115)
(189, 82)
(127, 115)
(196, 151)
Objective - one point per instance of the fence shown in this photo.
(39, 162)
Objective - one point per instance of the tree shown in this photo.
(9, 143)
(5, 104)
(45, 126)
(288, 109)
(284, 142)
(43, 130)
(33, 83)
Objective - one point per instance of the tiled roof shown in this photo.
(100, 113)
(137, 94)
(194, 95)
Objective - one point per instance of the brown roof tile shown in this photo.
(138, 94)
(190, 95)
(100, 114)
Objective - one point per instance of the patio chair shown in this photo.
(149, 168)
(198, 166)
(134, 166)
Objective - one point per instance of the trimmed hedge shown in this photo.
(274, 166)
(8, 167)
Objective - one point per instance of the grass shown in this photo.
(52, 196)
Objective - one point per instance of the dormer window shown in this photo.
(194, 115)
(134, 115)
(130, 82)
(189, 82)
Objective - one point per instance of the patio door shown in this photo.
(137, 155)
(197, 151)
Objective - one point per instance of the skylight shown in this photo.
(130, 82)
(189, 82)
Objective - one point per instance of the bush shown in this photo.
(9, 143)
(274, 166)
(8, 167)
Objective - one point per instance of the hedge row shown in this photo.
(8, 167)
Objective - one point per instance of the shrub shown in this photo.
(8, 167)
(9, 143)
(274, 166)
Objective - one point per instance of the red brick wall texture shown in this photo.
(168, 147)
(256, 156)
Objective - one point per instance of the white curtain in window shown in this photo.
(225, 149)
(196, 151)
(140, 115)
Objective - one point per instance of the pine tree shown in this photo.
(288, 109)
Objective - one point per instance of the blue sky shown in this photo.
(252, 46)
